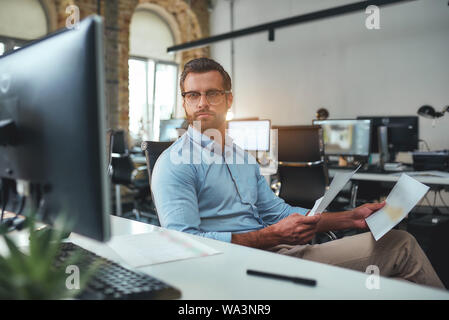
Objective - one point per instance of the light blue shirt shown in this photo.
(200, 189)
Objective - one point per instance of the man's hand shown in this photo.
(359, 214)
(296, 228)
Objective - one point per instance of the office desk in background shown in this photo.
(223, 276)
(430, 178)
(380, 184)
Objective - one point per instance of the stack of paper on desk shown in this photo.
(157, 247)
(403, 197)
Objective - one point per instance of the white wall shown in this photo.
(337, 63)
(149, 36)
(24, 19)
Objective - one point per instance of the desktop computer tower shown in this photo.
(431, 232)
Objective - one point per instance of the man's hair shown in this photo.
(201, 65)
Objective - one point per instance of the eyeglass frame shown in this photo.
(222, 92)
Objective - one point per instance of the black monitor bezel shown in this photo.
(374, 147)
(90, 35)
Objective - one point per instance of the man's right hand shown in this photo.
(296, 228)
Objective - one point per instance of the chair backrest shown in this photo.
(303, 172)
(301, 186)
(121, 165)
(119, 144)
(153, 149)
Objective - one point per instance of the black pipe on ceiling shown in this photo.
(271, 26)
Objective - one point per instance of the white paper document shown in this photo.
(315, 206)
(158, 247)
(338, 182)
(406, 193)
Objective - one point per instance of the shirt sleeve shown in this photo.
(175, 196)
(272, 208)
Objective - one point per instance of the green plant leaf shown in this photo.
(37, 275)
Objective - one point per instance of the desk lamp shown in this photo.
(429, 112)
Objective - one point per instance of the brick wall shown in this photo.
(192, 21)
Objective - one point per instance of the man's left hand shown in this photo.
(359, 214)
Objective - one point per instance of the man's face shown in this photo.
(212, 116)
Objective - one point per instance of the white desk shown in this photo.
(428, 179)
(223, 276)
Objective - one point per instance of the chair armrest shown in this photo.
(138, 170)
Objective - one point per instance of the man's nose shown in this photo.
(203, 103)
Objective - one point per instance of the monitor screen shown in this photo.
(53, 95)
(402, 132)
(250, 135)
(169, 129)
(299, 143)
(346, 137)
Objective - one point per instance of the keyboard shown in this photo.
(112, 281)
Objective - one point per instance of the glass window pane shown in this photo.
(150, 100)
(2, 48)
(165, 93)
(137, 99)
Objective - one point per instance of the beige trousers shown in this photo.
(397, 254)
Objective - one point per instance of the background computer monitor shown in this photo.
(53, 92)
(344, 137)
(402, 132)
(250, 135)
(299, 143)
(168, 129)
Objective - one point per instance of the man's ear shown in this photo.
(229, 99)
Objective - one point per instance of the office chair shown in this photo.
(302, 171)
(123, 173)
(153, 149)
(302, 183)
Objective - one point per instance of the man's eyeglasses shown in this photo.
(214, 97)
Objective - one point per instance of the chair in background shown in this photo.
(302, 183)
(123, 172)
(152, 150)
(302, 170)
(303, 174)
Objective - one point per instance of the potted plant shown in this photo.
(38, 273)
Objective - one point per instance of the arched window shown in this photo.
(152, 75)
(20, 22)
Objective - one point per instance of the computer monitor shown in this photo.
(250, 135)
(299, 143)
(52, 111)
(402, 132)
(168, 129)
(346, 137)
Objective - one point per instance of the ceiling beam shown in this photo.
(271, 26)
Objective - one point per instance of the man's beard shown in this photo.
(215, 122)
